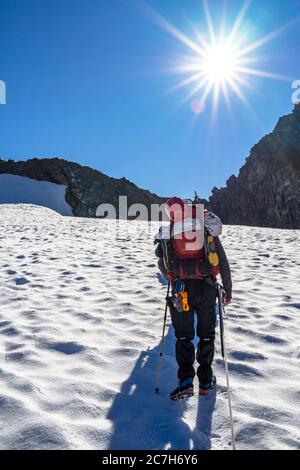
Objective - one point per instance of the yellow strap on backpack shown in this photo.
(213, 257)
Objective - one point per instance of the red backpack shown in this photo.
(191, 252)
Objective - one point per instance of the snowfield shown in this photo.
(80, 323)
(19, 189)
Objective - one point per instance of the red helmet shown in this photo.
(174, 208)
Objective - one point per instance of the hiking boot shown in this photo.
(185, 389)
(205, 388)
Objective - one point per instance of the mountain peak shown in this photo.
(86, 188)
(266, 192)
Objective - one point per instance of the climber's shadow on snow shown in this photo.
(143, 419)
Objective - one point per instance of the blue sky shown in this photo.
(87, 81)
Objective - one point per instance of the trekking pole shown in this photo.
(162, 342)
(224, 355)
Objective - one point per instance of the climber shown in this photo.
(191, 270)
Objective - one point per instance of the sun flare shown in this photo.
(217, 63)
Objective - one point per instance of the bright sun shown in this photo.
(218, 62)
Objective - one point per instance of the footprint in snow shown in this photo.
(65, 348)
(295, 306)
(15, 356)
(10, 332)
(246, 356)
(20, 281)
(241, 369)
(283, 317)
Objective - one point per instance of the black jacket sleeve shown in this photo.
(159, 251)
(224, 268)
(160, 254)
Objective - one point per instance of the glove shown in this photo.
(226, 298)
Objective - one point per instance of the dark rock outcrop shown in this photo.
(266, 192)
(86, 188)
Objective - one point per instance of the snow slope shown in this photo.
(80, 321)
(19, 189)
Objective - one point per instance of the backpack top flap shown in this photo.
(213, 224)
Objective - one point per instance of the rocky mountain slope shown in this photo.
(266, 192)
(86, 188)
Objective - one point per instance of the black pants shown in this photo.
(202, 301)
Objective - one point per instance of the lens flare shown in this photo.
(217, 64)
